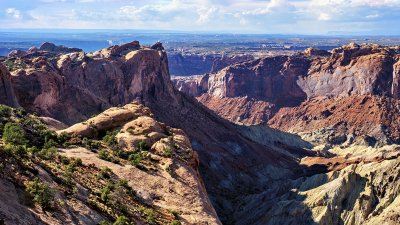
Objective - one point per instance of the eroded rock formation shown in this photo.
(7, 96)
(253, 175)
(253, 92)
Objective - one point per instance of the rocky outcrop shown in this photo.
(7, 97)
(174, 182)
(73, 87)
(186, 64)
(369, 120)
(227, 60)
(192, 85)
(253, 175)
(268, 85)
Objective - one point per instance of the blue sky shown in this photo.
(378, 17)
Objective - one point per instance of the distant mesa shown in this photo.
(50, 47)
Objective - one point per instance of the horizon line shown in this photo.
(170, 31)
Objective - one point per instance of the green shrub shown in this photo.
(78, 162)
(121, 153)
(104, 155)
(123, 183)
(150, 216)
(48, 153)
(63, 139)
(16, 150)
(64, 160)
(143, 146)
(110, 138)
(174, 213)
(175, 222)
(105, 173)
(41, 193)
(106, 192)
(103, 222)
(33, 150)
(122, 220)
(14, 134)
(68, 178)
(49, 143)
(135, 159)
(167, 152)
(5, 111)
(169, 170)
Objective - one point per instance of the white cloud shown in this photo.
(14, 13)
(318, 16)
(373, 16)
(324, 17)
(205, 14)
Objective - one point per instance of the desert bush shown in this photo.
(106, 192)
(41, 193)
(167, 152)
(110, 138)
(48, 153)
(135, 159)
(16, 150)
(105, 173)
(5, 111)
(49, 143)
(122, 220)
(175, 222)
(143, 146)
(103, 222)
(14, 134)
(104, 155)
(150, 216)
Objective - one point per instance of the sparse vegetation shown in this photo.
(122, 220)
(37, 153)
(106, 192)
(175, 222)
(41, 193)
(105, 173)
(14, 134)
(150, 215)
(104, 155)
(143, 146)
(135, 159)
(110, 138)
(167, 152)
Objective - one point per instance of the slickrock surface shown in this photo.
(181, 190)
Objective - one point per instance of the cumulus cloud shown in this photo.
(272, 16)
(14, 13)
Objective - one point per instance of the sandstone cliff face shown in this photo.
(272, 84)
(7, 96)
(72, 87)
(368, 120)
(192, 85)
